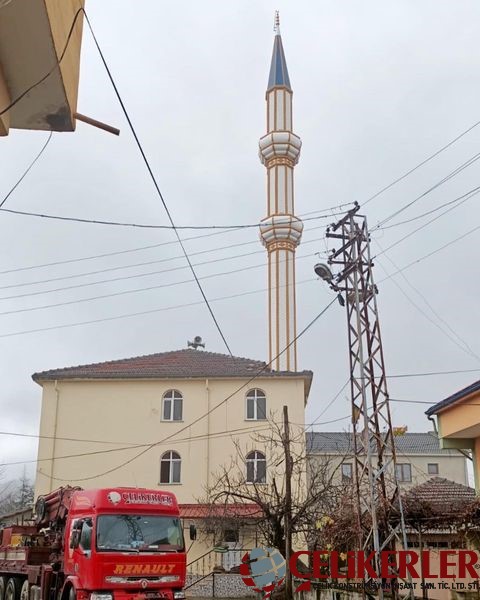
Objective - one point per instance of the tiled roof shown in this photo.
(470, 389)
(441, 494)
(341, 442)
(233, 510)
(170, 365)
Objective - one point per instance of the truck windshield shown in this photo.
(141, 533)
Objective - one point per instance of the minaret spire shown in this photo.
(280, 230)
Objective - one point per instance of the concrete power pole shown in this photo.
(378, 497)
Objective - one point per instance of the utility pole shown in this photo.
(288, 502)
(377, 500)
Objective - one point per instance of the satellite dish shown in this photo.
(323, 271)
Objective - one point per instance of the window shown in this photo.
(256, 405)
(256, 467)
(170, 467)
(172, 406)
(432, 468)
(141, 532)
(403, 472)
(347, 471)
(231, 536)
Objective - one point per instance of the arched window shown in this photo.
(256, 467)
(256, 405)
(172, 406)
(170, 466)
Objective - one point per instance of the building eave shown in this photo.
(462, 395)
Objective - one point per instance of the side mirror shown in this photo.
(76, 532)
(75, 539)
(193, 532)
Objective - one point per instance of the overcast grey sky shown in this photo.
(378, 86)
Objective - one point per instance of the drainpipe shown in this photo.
(55, 424)
(207, 392)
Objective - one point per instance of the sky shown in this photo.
(379, 86)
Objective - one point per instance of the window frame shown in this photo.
(345, 477)
(400, 474)
(436, 470)
(172, 457)
(255, 394)
(254, 457)
(172, 396)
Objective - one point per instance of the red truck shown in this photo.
(103, 544)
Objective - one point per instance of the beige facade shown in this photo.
(419, 458)
(117, 423)
(113, 415)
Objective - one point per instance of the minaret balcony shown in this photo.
(280, 147)
(281, 231)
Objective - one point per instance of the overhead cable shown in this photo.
(172, 436)
(27, 170)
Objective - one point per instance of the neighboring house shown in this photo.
(419, 457)
(458, 418)
(441, 515)
(164, 421)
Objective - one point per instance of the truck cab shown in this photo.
(100, 544)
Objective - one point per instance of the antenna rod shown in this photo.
(276, 25)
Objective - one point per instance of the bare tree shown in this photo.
(314, 493)
(16, 494)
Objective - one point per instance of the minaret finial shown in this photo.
(276, 25)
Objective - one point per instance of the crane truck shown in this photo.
(102, 544)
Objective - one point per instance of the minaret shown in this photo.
(281, 230)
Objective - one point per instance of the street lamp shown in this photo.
(325, 273)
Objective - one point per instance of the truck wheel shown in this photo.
(25, 591)
(71, 594)
(3, 585)
(12, 591)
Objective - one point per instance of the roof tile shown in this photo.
(341, 442)
(180, 364)
(441, 494)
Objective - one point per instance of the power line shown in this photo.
(464, 198)
(429, 212)
(452, 174)
(111, 442)
(153, 262)
(142, 313)
(131, 291)
(117, 252)
(139, 249)
(229, 297)
(414, 262)
(422, 402)
(463, 345)
(27, 170)
(330, 403)
(141, 225)
(134, 447)
(425, 161)
(155, 183)
(214, 408)
(142, 152)
(431, 373)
